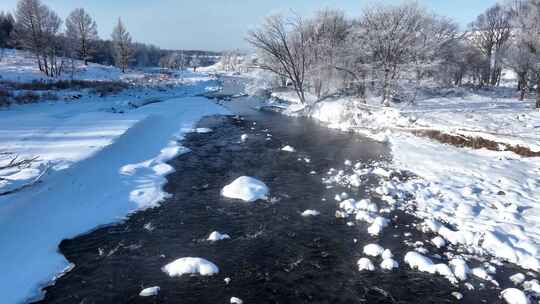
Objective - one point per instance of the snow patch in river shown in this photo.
(150, 291)
(184, 266)
(247, 189)
(216, 236)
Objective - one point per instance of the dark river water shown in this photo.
(275, 255)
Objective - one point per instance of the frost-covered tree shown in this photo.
(37, 30)
(7, 24)
(527, 43)
(391, 37)
(123, 49)
(490, 33)
(284, 47)
(81, 30)
(327, 34)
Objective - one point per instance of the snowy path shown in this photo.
(125, 175)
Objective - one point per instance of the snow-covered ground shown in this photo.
(20, 66)
(105, 158)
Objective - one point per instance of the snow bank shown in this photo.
(149, 292)
(216, 236)
(184, 266)
(104, 166)
(247, 189)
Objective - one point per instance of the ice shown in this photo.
(149, 292)
(517, 278)
(184, 266)
(247, 189)
(216, 236)
(243, 137)
(439, 242)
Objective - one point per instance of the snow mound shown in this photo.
(246, 188)
(389, 264)
(149, 292)
(216, 236)
(288, 149)
(365, 264)
(373, 250)
(514, 296)
(310, 213)
(190, 266)
(235, 300)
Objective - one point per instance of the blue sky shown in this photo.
(220, 24)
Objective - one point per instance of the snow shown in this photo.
(417, 261)
(373, 250)
(184, 266)
(103, 165)
(20, 66)
(389, 264)
(514, 296)
(235, 300)
(517, 278)
(365, 264)
(438, 241)
(216, 236)
(288, 149)
(308, 213)
(149, 292)
(247, 189)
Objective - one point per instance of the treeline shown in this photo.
(55, 43)
(392, 50)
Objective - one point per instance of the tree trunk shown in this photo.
(538, 93)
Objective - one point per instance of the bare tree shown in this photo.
(81, 30)
(490, 34)
(122, 44)
(283, 44)
(36, 29)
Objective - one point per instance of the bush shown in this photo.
(27, 97)
(5, 97)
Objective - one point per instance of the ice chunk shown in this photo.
(235, 300)
(246, 188)
(149, 292)
(216, 236)
(310, 213)
(288, 149)
(190, 266)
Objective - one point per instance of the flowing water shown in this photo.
(274, 255)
